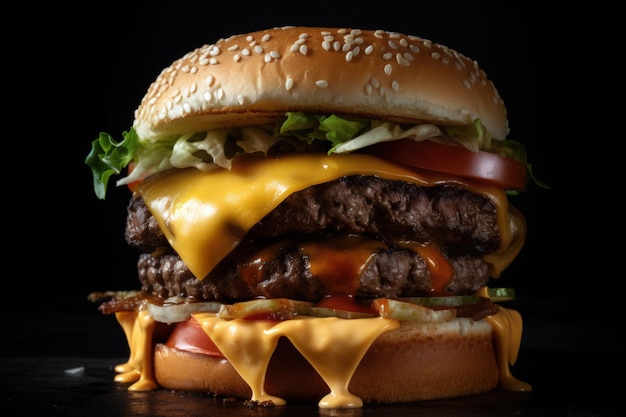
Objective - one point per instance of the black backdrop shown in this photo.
(123, 49)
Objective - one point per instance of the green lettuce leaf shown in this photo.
(108, 157)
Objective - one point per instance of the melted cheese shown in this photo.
(507, 325)
(139, 369)
(205, 215)
(333, 346)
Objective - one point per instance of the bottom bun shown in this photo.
(415, 362)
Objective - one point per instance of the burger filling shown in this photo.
(295, 252)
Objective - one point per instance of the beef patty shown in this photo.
(462, 224)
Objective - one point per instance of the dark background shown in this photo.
(103, 56)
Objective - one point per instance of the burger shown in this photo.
(318, 213)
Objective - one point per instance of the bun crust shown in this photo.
(253, 78)
(415, 362)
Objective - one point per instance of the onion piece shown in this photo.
(175, 313)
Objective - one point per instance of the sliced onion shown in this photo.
(175, 313)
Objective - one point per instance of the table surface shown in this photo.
(61, 363)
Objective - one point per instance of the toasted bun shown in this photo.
(417, 361)
(253, 78)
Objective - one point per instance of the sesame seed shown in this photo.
(395, 85)
(245, 52)
(321, 83)
(467, 84)
(213, 61)
(265, 37)
(289, 83)
(326, 45)
(267, 58)
(392, 44)
(388, 69)
(258, 49)
(303, 49)
(186, 108)
(387, 56)
(233, 47)
(241, 99)
(402, 60)
(349, 56)
(210, 80)
(215, 51)
(414, 48)
(435, 55)
(336, 45)
(369, 49)
(275, 54)
(237, 57)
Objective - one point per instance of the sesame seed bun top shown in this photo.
(253, 78)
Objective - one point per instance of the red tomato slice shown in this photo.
(188, 335)
(497, 170)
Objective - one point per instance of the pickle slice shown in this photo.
(501, 294)
(342, 314)
(447, 301)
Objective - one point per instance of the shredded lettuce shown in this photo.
(216, 148)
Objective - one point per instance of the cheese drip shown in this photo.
(333, 346)
(205, 215)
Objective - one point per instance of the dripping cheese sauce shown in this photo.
(206, 215)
